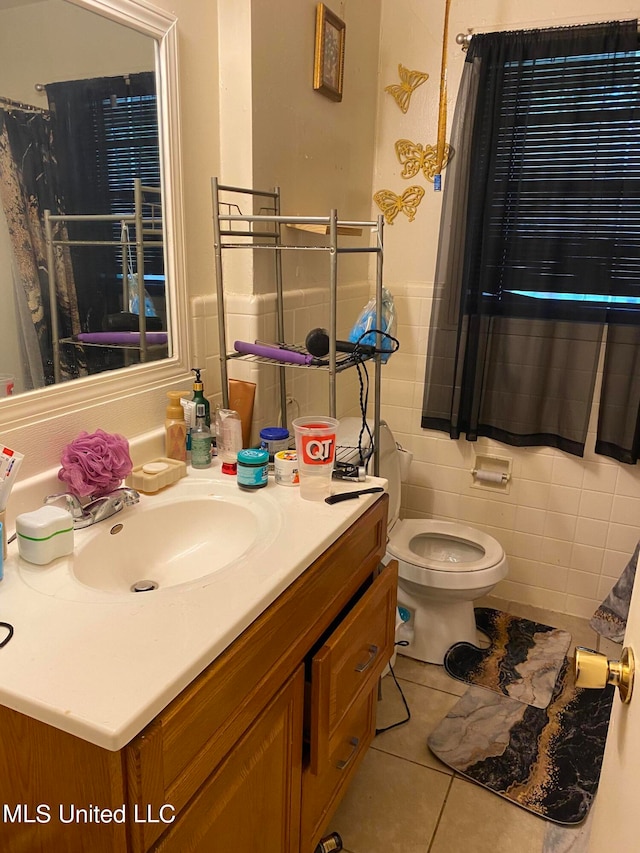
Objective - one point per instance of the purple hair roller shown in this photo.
(276, 353)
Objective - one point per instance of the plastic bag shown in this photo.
(134, 298)
(132, 280)
(366, 324)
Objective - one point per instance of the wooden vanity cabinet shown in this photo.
(255, 753)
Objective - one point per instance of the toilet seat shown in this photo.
(404, 532)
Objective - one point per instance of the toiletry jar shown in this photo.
(44, 534)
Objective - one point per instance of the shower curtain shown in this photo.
(28, 186)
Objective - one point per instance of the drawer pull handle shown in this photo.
(341, 765)
(373, 653)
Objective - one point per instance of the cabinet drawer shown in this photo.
(322, 792)
(350, 662)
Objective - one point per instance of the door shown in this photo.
(616, 819)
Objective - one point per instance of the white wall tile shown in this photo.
(564, 499)
(589, 531)
(586, 558)
(626, 510)
(559, 525)
(600, 476)
(595, 505)
(556, 552)
(623, 537)
(582, 584)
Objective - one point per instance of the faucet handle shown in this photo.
(129, 496)
(72, 503)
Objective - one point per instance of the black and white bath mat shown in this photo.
(522, 662)
(546, 760)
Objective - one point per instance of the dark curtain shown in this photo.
(29, 185)
(520, 224)
(81, 110)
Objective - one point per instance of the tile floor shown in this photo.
(404, 800)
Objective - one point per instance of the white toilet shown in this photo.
(443, 566)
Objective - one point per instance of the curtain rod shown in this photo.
(464, 39)
(18, 105)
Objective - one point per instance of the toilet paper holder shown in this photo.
(492, 472)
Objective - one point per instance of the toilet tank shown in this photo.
(347, 451)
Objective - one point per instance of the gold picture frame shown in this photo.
(328, 66)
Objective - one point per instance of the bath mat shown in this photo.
(522, 662)
(546, 760)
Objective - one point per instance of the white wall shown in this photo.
(568, 525)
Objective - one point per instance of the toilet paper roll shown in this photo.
(490, 476)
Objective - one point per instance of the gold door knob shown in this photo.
(594, 670)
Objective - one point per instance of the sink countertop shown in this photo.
(101, 666)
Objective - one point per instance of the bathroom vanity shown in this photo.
(253, 755)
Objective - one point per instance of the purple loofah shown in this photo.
(93, 465)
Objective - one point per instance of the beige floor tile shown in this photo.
(475, 820)
(428, 674)
(391, 806)
(428, 708)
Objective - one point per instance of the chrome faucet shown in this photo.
(98, 509)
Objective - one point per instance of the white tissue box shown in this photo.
(44, 534)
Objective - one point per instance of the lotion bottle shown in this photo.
(175, 428)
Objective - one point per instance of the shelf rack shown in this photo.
(235, 230)
(146, 220)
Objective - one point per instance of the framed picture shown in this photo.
(328, 67)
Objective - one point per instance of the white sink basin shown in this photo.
(170, 541)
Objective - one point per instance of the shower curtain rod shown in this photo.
(464, 39)
(18, 105)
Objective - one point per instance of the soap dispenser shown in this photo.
(175, 428)
(198, 395)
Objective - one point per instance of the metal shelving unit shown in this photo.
(235, 230)
(146, 221)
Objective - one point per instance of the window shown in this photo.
(563, 195)
(539, 247)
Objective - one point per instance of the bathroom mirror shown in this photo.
(146, 50)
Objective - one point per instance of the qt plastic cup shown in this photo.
(316, 450)
(6, 384)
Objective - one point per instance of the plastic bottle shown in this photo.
(229, 436)
(200, 440)
(175, 428)
(198, 395)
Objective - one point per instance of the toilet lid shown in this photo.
(443, 546)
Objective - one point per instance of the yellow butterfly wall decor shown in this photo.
(391, 204)
(410, 80)
(414, 157)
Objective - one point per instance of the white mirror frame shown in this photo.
(111, 385)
